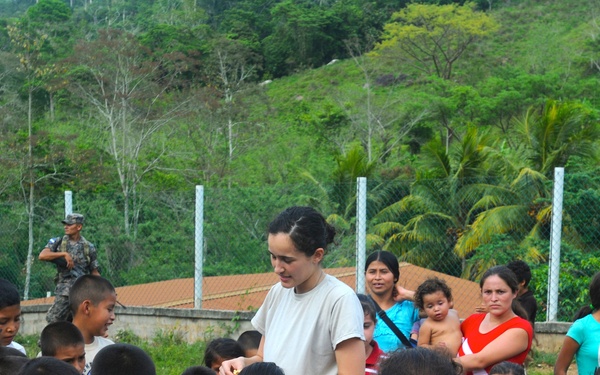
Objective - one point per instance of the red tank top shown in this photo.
(474, 341)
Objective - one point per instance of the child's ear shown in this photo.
(85, 306)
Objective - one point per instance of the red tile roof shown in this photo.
(247, 292)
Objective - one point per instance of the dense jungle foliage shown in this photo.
(457, 113)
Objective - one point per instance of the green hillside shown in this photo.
(455, 112)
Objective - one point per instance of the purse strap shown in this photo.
(391, 324)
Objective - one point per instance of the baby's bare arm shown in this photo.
(425, 334)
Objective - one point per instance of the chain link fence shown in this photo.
(452, 226)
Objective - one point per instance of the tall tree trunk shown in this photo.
(31, 205)
(126, 213)
(230, 138)
(51, 97)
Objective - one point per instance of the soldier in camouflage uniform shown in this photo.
(74, 256)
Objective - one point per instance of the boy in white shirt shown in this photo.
(93, 300)
(10, 315)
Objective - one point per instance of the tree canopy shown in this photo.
(432, 37)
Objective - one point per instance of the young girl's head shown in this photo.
(434, 297)
(370, 317)
(419, 361)
(262, 368)
(507, 368)
(221, 349)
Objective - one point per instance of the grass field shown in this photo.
(171, 354)
(542, 363)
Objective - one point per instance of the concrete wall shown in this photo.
(549, 336)
(195, 325)
(146, 322)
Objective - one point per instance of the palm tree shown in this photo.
(338, 199)
(522, 208)
(556, 132)
(461, 200)
(424, 227)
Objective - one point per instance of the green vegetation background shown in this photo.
(132, 104)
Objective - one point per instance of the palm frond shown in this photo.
(393, 211)
(308, 176)
(387, 228)
(374, 241)
(497, 220)
(530, 184)
(544, 215)
(338, 221)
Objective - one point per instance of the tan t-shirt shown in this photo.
(301, 331)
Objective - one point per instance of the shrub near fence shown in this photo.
(459, 229)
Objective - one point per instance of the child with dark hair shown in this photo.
(10, 315)
(219, 350)
(262, 368)
(507, 368)
(250, 341)
(373, 352)
(8, 351)
(92, 299)
(47, 366)
(198, 370)
(583, 338)
(62, 340)
(419, 361)
(441, 328)
(123, 359)
(524, 296)
(11, 364)
(11, 360)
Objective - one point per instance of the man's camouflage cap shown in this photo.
(73, 219)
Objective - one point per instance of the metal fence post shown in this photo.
(361, 232)
(68, 202)
(199, 240)
(555, 238)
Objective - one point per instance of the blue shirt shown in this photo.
(586, 331)
(404, 315)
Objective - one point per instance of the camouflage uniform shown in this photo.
(83, 264)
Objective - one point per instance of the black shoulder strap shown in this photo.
(59, 262)
(56, 245)
(391, 324)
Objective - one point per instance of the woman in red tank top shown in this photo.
(500, 334)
